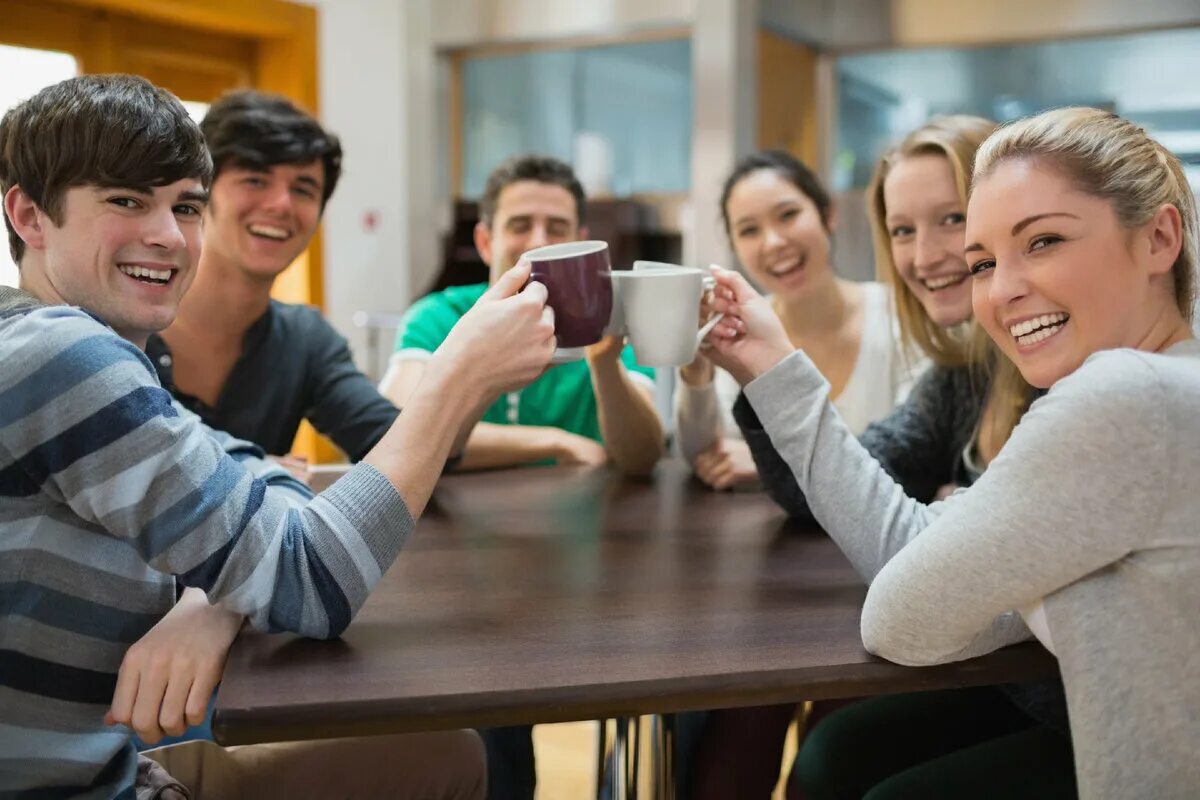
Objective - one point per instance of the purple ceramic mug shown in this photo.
(577, 279)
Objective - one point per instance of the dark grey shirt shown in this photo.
(293, 366)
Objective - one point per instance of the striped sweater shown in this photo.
(109, 494)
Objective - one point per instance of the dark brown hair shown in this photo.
(542, 169)
(96, 130)
(256, 130)
(788, 168)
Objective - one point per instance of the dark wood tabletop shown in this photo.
(554, 594)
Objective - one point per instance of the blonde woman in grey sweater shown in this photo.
(1085, 529)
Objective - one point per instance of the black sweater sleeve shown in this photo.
(918, 444)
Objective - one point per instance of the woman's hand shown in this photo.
(168, 676)
(750, 339)
(726, 465)
(698, 373)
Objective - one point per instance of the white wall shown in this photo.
(363, 90)
(724, 115)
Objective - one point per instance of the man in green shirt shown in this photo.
(593, 411)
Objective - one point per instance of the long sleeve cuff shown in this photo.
(697, 418)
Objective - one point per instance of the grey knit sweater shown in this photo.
(1091, 506)
(920, 444)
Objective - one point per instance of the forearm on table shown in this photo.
(629, 423)
(491, 446)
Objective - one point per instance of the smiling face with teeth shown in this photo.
(778, 234)
(926, 220)
(126, 255)
(1056, 276)
(261, 220)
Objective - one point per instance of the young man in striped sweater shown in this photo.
(110, 492)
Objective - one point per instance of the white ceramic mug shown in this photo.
(616, 324)
(709, 280)
(659, 305)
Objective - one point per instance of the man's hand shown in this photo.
(503, 343)
(726, 465)
(573, 449)
(698, 373)
(168, 676)
(607, 349)
(297, 466)
(750, 339)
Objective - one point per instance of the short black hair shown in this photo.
(543, 169)
(96, 130)
(257, 130)
(789, 168)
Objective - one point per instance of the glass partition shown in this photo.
(621, 114)
(1146, 77)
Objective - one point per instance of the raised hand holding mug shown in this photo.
(750, 339)
(579, 290)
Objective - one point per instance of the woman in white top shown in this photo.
(1082, 240)
(779, 219)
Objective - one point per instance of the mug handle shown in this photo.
(708, 326)
(709, 283)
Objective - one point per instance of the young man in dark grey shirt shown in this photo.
(245, 363)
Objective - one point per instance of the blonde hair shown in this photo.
(955, 138)
(1110, 158)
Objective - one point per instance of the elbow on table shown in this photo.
(331, 634)
(269, 623)
(890, 641)
(638, 465)
(293, 619)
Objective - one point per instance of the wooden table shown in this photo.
(555, 594)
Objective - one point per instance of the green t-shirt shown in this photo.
(561, 398)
